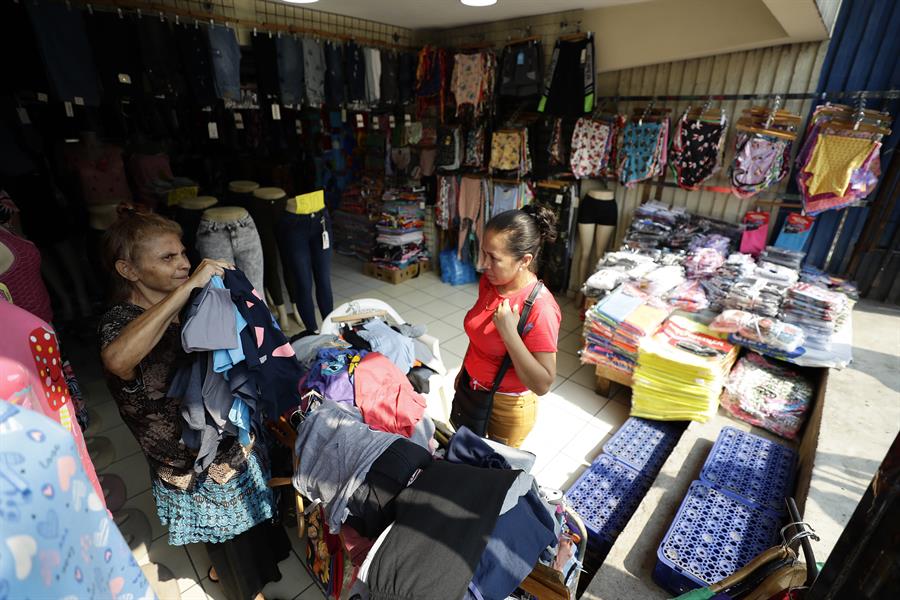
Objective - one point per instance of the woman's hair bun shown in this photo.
(545, 219)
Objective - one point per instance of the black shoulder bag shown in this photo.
(473, 408)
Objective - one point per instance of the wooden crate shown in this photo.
(394, 276)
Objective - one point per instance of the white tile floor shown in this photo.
(573, 421)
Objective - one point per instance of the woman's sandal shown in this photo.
(209, 574)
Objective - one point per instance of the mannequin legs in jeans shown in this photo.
(301, 246)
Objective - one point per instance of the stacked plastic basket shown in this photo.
(730, 515)
(607, 493)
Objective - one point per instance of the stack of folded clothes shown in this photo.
(400, 241)
(615, 326)
(816, 310)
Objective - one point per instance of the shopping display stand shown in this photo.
(606, 376)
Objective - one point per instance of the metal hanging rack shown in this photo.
(892, 94)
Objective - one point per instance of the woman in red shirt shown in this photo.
(510, 247)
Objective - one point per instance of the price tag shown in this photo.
(583, 55)
(326, 242)
(360, 122)
(559, 198)
(343, 115)
(238, 120)
(70, 112)
(408, 118)
(298, 125)
(23, 116)
(276, 112)
(520, 58)
(422, 204)
(392, 121)
(42, 97)
(213, 130)
(79, 101)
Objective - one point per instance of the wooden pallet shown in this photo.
(395, 276)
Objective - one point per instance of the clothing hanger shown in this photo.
(518, 41)
(573, 37)
(780, 115)
(786, 135)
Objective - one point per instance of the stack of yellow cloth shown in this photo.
(680, 372)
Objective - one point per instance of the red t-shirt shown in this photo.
(486, 347)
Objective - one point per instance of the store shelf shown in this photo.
(606, 495)
(713, 535)
(754, 468)
(644, 444)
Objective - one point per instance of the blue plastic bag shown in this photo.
(455, 271)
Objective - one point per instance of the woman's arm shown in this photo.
(537, 370)
(122, 355)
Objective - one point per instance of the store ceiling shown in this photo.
(427, 14)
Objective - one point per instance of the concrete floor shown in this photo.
(861, 418)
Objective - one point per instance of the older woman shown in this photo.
(228, 506)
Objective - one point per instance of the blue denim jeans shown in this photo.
(300, 238)
(226, 60)
(290, 69)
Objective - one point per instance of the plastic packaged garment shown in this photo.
(689, 296)
(768, 394)
(703, 262)
(680, 372)
(753, 240)
(818, 311)
(795, 230)
(759, 331)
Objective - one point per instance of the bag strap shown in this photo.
(507, 361)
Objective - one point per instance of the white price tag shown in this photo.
(422, 204)
(343, 115)
(23, 116)
(70, 112)
(392, 121)
(213, 130)
(583, 55)
(360, 122)
(276, 112)
(298, 124)
(559, 198)
(408, 118)
(79, 101)
(238, 120)
(42, 97)
(326, 242)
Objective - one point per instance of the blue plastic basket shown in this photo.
(644, 444)
(713, 535)
(757, 470)
(606, 495)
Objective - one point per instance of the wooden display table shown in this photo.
(607, 376)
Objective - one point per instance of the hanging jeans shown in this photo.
(301, 241)
(236, 242)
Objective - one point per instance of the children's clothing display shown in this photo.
(510, 153)
(592, 142)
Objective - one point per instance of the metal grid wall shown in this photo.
(247, 14)
(498, 33)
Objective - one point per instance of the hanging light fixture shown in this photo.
(479, 2)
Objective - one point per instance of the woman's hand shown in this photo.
(506, 319)
(205, 270)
